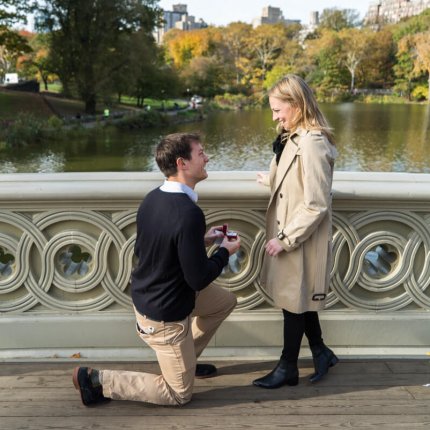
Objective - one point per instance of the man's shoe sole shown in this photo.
(76, 383)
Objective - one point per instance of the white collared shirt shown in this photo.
(178, 187)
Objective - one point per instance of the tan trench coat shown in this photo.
(300, 207)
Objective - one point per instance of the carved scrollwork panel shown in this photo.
(242, 271)
(382, 263)
(68, 258)
(82, 260)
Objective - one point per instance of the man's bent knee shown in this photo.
(182, 399)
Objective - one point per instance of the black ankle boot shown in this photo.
(283, 374)
(323, 358)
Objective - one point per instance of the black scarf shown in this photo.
(278, 146)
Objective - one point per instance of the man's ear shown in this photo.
(180, 164)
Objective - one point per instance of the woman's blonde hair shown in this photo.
(294, 90)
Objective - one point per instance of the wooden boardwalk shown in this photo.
(362, 394)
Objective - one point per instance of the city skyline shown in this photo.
(223, 12)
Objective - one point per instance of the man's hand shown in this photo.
(273, 248)
(231, 245)
(213, 234)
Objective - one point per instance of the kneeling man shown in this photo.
(177, 307)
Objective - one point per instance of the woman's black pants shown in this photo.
(295, 325)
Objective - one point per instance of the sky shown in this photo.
(222, 12)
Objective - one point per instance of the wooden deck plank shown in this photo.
(364, 394)
(205, 406)
(67, 393)
(334, 379)
(236, 422)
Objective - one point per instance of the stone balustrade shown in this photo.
(66, 256)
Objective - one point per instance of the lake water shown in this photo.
(369, 137)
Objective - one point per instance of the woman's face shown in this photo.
(283, 112)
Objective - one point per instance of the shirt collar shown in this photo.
(178, 187)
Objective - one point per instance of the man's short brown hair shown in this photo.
(172, 147)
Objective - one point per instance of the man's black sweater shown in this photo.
(173, 263)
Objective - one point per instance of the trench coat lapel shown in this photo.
(285, 161)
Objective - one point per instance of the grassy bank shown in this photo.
(27, 118)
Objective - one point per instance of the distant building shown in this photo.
(177, 18)
(314, 19)
(392, 11)
(314, 22)
(272, 15)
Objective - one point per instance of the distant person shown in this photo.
(297, 262)
(177, 307)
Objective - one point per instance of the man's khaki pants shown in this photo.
(177, 346)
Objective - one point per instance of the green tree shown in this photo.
(235, 37)
(337, 19)
(421, 43)
(86, 36)
(12, 43)
(405, 68)
(355, 47)
(147, 75)
(265, 44)
(289, 61)
(13, 12)
(204, 76)
(326, 70)
(376, 68)
(36, 63)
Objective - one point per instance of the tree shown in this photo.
(86, 36)
(12, 44)
(325, 69)
(11, 13)
(235, 36)
(403, 35)
(266, 43)
(422, 56)
(146, 74)
(36, 64)
(337, 19)
(182, 46)
(376, 68)
(203, 76)
(289, 61)
(355, 47)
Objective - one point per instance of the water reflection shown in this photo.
(48, 162)
(369, 138)
(381, 137)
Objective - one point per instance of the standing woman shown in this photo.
(297, 263)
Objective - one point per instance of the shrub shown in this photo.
(233, 101)
(143, 120)
(55, 122)
(420, 93)
(25, 130)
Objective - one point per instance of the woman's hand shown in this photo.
(273, 248)
(261, 178)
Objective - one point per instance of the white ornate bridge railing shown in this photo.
(66, 256)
